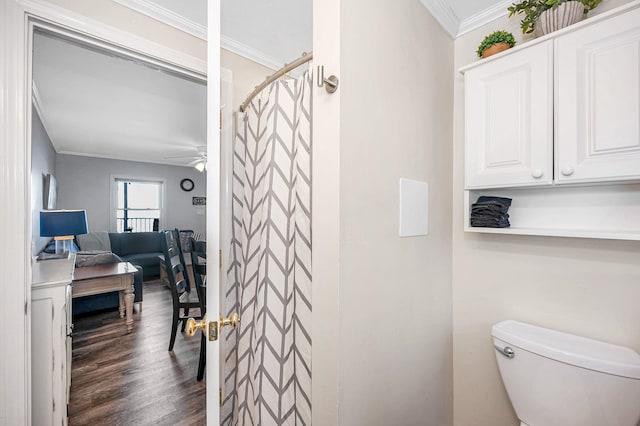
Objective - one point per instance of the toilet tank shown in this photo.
(558, 379)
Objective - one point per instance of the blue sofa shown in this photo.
(139, 248)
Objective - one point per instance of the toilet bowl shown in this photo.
(558, 379)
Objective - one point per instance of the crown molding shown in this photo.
(122, 158)
(447, 18)
(36, 101)
(250, 53)
(444, 14)
(166, 16)
(484, 17)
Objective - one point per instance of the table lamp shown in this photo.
(62, 225)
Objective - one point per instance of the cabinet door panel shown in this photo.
(43, 361)
(509, 131)
(598, 102)
(68, 323)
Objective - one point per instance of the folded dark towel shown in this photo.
(490, 212)
(504, 203)
(490, 223)
(487, 210)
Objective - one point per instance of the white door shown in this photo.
(509, 127)
(213, 212)
(598, 101)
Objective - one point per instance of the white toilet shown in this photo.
(555, 378)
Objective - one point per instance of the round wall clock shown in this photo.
(186, 184)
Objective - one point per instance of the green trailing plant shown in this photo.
(532, 9)
(495, 38)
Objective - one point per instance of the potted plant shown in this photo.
(545, 16)
(494, 43)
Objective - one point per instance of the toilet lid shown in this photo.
(570, 349)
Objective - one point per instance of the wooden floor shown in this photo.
(131, 379)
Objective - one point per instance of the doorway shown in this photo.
(171, 64)
(101, 110)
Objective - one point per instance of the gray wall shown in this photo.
(85, 183)
(43, 161)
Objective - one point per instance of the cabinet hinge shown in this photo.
(220, 258)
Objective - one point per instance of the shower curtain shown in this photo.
(267, 360)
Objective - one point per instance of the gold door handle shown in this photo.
(193, 326)
(233, 321)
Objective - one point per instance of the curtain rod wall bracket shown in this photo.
(330, 83)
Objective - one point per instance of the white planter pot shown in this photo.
(567, 13)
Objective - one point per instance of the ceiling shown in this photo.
(269, 32)
(101, 105)
(274, 32)
(97, 104)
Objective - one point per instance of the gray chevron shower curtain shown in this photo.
(267, 360)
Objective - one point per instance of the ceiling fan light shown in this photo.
(201, 166)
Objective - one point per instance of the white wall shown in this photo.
(325, 220)
(587, 287)
(395, 362)
(43, 161)
(246, 75)
(84, 183)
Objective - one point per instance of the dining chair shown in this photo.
(186, 235)
(199, 265)
(183, 299)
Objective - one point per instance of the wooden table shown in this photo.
(101, 279)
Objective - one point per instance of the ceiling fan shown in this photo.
(199, 158)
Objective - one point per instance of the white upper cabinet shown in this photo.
(509, 120)
(597, 114)
(565, 109)
(554, 124)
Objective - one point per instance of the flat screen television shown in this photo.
(49, 192)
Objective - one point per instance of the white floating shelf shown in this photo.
(573, 233)
(602, 211)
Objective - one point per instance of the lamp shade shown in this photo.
(59, 223)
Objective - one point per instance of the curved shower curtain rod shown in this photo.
(306, 57)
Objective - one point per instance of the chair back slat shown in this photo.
(199, 265)
(181, 286)
(172, 250)
(174, 264)
(178, 278)
(185, 238)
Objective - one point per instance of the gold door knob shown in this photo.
(233, 321)
(193, 326)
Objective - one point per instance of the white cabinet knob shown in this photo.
(537, 173)
(567, 171)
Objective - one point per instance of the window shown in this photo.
(138, 205)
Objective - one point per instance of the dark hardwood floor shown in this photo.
(131, 379)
